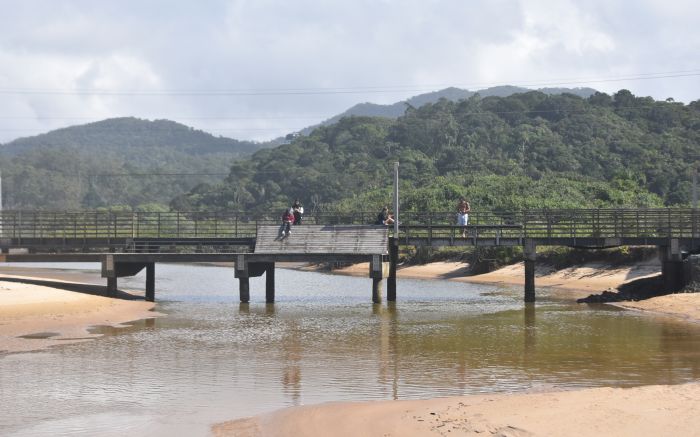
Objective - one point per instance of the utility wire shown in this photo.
(330, 91)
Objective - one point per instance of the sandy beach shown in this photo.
(572, 282)
(35, 317)
(639, 411)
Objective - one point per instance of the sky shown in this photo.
(259, 69)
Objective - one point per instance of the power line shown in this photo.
(338, 90)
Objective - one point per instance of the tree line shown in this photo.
(527, 150)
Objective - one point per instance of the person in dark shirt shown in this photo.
(298, 212)
(384, 218)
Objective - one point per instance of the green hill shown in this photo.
(525, 150)
(89, 165)
(398, 109)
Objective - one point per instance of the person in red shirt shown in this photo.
(287, 220)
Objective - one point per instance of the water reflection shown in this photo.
(529, 331)
(291, 359)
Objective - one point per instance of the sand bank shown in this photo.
(51, 316)
(685, 306)
(640, 411)
(577, 281)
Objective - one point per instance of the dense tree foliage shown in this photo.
(118, 161)
(525, 150)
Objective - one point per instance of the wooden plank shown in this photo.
(318, 239)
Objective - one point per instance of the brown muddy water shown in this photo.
(213, 359)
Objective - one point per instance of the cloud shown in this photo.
(379, 51)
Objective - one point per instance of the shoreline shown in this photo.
(36, 314)
(639, 411)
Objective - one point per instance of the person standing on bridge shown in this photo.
(298, 212)
(463, 210)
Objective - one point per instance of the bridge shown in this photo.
(128, 242)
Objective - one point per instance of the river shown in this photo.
(213, 359)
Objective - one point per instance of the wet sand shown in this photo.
(640, 411)
(35, 317)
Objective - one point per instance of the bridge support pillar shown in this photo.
(376, 290)
(270, 283)
(530, 254)
(151, 282)
(244, 289)
(391, 279)
(241, 272)
(672, 266)
(378, 269)
(111, 285)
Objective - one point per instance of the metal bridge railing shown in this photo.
(543, 223)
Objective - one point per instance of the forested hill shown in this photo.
(119, 134)
(87, 166)
(398, 109)
(526, 150)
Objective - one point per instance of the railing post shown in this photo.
(158, 218)
(19, 218)
(430, 230)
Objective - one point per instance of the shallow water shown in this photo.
(214, 359)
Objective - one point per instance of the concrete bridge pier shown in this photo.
(378, 269)
(112, 286)
(672, 268)
(151, 282)
(112, 270)
(530, 254)
(391, 279)
(245, 270)
(270, 283)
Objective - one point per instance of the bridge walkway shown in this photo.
(323, 240)
(315, 243)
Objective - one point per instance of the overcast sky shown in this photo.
(258, 69)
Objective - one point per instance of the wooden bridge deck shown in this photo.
(316, 239)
